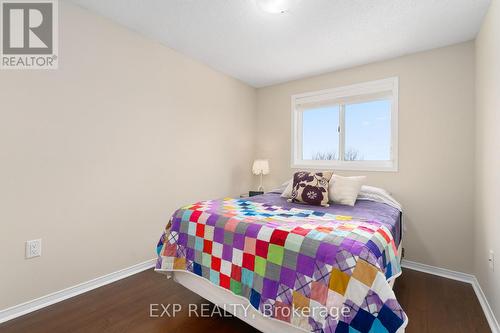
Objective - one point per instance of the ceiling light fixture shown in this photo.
(274, 6)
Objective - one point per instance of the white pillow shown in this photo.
(376, 194)
(366, 189)
(287, 193)
(344, 190)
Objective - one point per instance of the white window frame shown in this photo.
(362, 92)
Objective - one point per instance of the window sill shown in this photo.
(383, 166)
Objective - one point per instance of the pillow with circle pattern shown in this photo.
(311, 188)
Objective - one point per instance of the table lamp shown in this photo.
(260, 167)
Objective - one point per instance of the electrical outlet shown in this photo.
(491, 260)
(33, 248)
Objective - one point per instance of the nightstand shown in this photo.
(251, 194)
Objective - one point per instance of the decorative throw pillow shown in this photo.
(311, 188)
(344, 190)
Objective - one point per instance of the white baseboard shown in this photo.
(443, 272)
(33, 305)
(463, 277)
(58, 296)
(488, 312)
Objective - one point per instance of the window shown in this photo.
(348, 128)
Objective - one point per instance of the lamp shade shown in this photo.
(260, 167)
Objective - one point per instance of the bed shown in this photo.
(282, 266)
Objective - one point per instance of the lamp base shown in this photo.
(261, 188)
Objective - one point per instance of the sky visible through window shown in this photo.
(367, 132)
(319, 133)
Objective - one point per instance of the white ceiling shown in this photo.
(315, 36)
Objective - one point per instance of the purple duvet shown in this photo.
(385, 214)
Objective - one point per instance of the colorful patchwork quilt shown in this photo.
(317, 271)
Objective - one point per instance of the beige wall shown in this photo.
(436, 145)
(94, 156)
(487, 217)
(126, 130)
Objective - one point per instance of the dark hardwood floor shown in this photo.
(433, 304)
